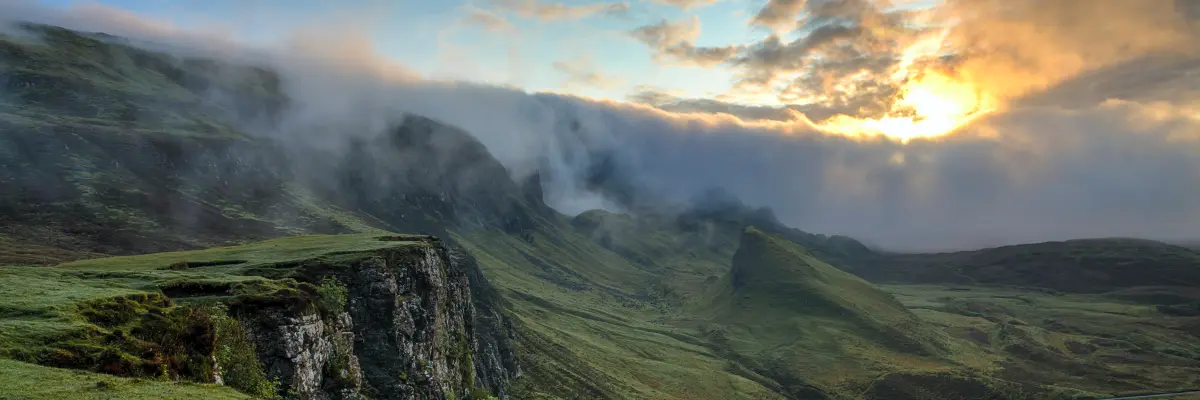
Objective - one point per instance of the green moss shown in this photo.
(478, 393)
(139, 335)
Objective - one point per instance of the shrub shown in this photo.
(331, 298)
(238, 361)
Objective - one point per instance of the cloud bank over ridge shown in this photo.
(1123, 159)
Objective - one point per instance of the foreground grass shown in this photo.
(23, 381)
(113, 315)
(280, 250)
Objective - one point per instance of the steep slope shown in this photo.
(771, 273)
(796, 318)
(323, 316)
(106, 148)
(592, 324)
(109, 149)
(690, 249)
(188, 188)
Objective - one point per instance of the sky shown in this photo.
(492, 42)
(912, 125)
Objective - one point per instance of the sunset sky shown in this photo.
(906, 123)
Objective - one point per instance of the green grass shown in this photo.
(1092, 343)
(24, 381)
(797, 319)
(273, 251)
(1076, 266)
(110, 314)
(23, 252)
(590, 327)
(607, 305)
(595, 323)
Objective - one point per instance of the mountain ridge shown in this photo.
(600, 305)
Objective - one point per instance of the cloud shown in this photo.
(488, 20)
(1125, 162)
(581, 71)
(779, 14)
(676, 41)
(665, 99)
(686, 4)
(856, 56)
(537, 9)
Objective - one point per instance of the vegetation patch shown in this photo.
(139, 335)
(330, 298)
(198, 264)
(1180, 310)
(937, 386)
(27, 381)
(237, 361)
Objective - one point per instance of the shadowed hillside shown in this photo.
(107, 149)
(1079, 266)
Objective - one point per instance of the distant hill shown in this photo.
(1078, 266)
(779, 304)
(107, 149)
(772, 273)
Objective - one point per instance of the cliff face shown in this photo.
(306, 317)
(407, 331)
(127, 153)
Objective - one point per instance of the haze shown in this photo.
(909, 125)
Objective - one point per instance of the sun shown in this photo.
(930, 103)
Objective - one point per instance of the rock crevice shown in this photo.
(408, 330)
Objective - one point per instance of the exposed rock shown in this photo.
(408, 331)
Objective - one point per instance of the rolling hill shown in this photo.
(126, 189)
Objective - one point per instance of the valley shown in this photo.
(178, 253)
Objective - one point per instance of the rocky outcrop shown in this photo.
(124, 168)
(408, 329)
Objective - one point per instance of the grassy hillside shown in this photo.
(800, 319)
(106, 149)
(1087, 342)
(148, 316)
(592, 326)
(23, 381)
(776, 282)
(1077, 266)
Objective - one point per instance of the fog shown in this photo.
(1110, 159)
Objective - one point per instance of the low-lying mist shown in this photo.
(1122, 161)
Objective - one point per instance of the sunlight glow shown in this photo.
(930, 103)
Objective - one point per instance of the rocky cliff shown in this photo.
(407, 330)
(107, 148)
(306, 317)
